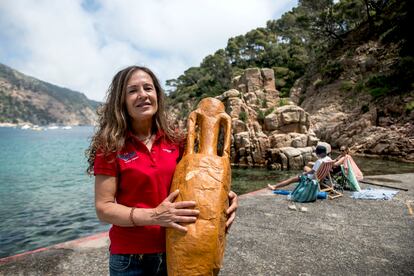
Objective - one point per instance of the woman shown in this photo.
(345, 159)
(133, 156)
(343, 152)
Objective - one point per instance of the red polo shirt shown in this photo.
(144, 179)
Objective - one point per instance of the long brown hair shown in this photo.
(113, 118)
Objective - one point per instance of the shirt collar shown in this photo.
(158, 135)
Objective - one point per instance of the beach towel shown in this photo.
(376, 194)
(321, 195)
(350, 163)
(350, 175)
(306, 191)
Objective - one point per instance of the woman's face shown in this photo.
(141, 97)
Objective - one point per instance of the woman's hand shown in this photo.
(231, 211)
(170, 214)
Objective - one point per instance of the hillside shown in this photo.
(347, 110)
(349, 65)
(24, 99)
(361, 93)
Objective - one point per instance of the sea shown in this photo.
(46, 197)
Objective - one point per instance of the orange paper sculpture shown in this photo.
(204, 177)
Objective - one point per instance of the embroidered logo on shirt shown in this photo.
(127, 157)
(168, 150)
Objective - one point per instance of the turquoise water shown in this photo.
(47, 198)
(45, 195)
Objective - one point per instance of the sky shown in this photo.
(81, 44)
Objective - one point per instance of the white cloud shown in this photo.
(62, 43)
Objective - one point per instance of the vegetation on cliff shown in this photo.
(24, 99)
(305, 41)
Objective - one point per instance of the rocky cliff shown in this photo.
(353, 85)
(278, 133)
(24, 99)
(347, 111)
(266, 130)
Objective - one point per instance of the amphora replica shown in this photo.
(204, 176)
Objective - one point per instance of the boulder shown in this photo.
(274, 140)
(250, 98)
(287, 119)
(312, 141)
(234, 106)
(283, 161)
(268, 77)
(294, 158)
(253, 79)
(238, 126)
(299, 140)
(280, 140)
(296, 162)
(232, 93)
(242, 140)
(291, 152)
(256, 127)
(271, 122)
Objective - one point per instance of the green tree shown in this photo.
(299, 41)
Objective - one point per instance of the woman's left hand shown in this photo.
(231, 211)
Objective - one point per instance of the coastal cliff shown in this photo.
(348, 66)
(266, 130)
(346, 111)
(361, 93)
(26, 100)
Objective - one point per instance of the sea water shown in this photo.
(46, 197)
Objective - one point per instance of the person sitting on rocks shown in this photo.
(322, 157)
(345, 159)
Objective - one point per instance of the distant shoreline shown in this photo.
(9, 125)
(32, 125)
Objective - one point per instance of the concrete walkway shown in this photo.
(342, 236)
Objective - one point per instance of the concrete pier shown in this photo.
(343, 236)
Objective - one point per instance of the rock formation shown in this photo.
(343, 112)
(266, 132)
(278, 133)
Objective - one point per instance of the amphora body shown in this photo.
(204, 176)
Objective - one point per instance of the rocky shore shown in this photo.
(344, 111)
(278, 133)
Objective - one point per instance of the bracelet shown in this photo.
(131, 218)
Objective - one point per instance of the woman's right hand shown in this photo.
(170, 214)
